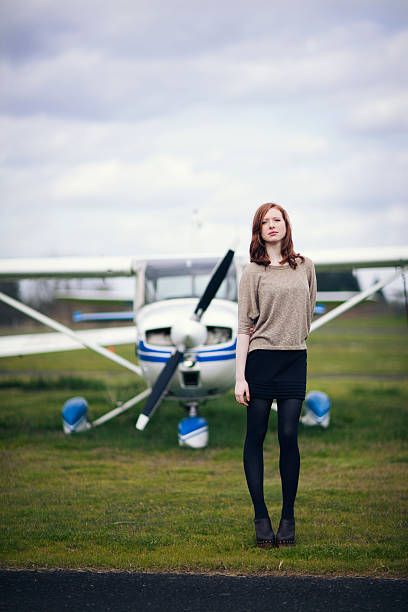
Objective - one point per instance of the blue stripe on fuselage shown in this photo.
(146, 353)
(143, 347)
(215, 357)
(199, 358)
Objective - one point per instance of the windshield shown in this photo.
(167, 283)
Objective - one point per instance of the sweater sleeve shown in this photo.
(248, 311)
(312, 286)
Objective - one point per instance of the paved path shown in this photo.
(49, 591)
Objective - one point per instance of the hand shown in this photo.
(242, 392)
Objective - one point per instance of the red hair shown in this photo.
(257, 250)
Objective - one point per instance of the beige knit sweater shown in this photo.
(279, 303)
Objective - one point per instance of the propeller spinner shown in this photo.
(185, 335)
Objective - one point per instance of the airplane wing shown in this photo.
(353, 258)
(30, 344)
(102, 267)
(90, 267)
(361, 257)
(94, 267)
(66, 267)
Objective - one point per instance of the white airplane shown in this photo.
(186, 349)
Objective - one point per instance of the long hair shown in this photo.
(257, 250)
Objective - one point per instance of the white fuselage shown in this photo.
(206, 370)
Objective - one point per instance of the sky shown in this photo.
(119, 120)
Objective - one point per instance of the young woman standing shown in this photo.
(277, 296)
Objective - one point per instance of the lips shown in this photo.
(272, 233)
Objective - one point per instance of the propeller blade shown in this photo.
(159, 389)
(214, 283)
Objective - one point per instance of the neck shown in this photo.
(274, 252)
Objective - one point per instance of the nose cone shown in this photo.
(188, 332)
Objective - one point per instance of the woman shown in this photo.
(277, 296)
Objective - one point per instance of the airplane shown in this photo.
(185, 315)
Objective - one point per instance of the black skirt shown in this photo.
(275, 374)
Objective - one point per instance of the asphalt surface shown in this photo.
(59, 590)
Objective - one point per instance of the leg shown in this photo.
(289, 459)
(258, 412)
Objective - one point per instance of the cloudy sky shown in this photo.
(119, 119)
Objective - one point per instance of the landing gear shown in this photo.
(193, 430)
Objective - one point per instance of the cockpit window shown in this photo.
(180, 279)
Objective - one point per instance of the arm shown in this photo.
(241, 385)
(311, 278)
(312, 289)
(247, 314)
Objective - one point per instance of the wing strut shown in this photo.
(70, 333)
(113, 413)
(354, 300)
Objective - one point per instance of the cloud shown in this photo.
(93, 73)
(381, 113)
(117, 117)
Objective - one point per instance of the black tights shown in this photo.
(258, 412)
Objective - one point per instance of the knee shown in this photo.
(288, 437)
(255, 437)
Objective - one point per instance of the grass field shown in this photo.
(116, 498)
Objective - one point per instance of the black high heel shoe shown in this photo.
(286, 533)
(265, 538)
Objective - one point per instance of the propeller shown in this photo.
(192, 333)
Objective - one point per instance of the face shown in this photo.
(273, 228)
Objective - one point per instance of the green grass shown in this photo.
(116, 498)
